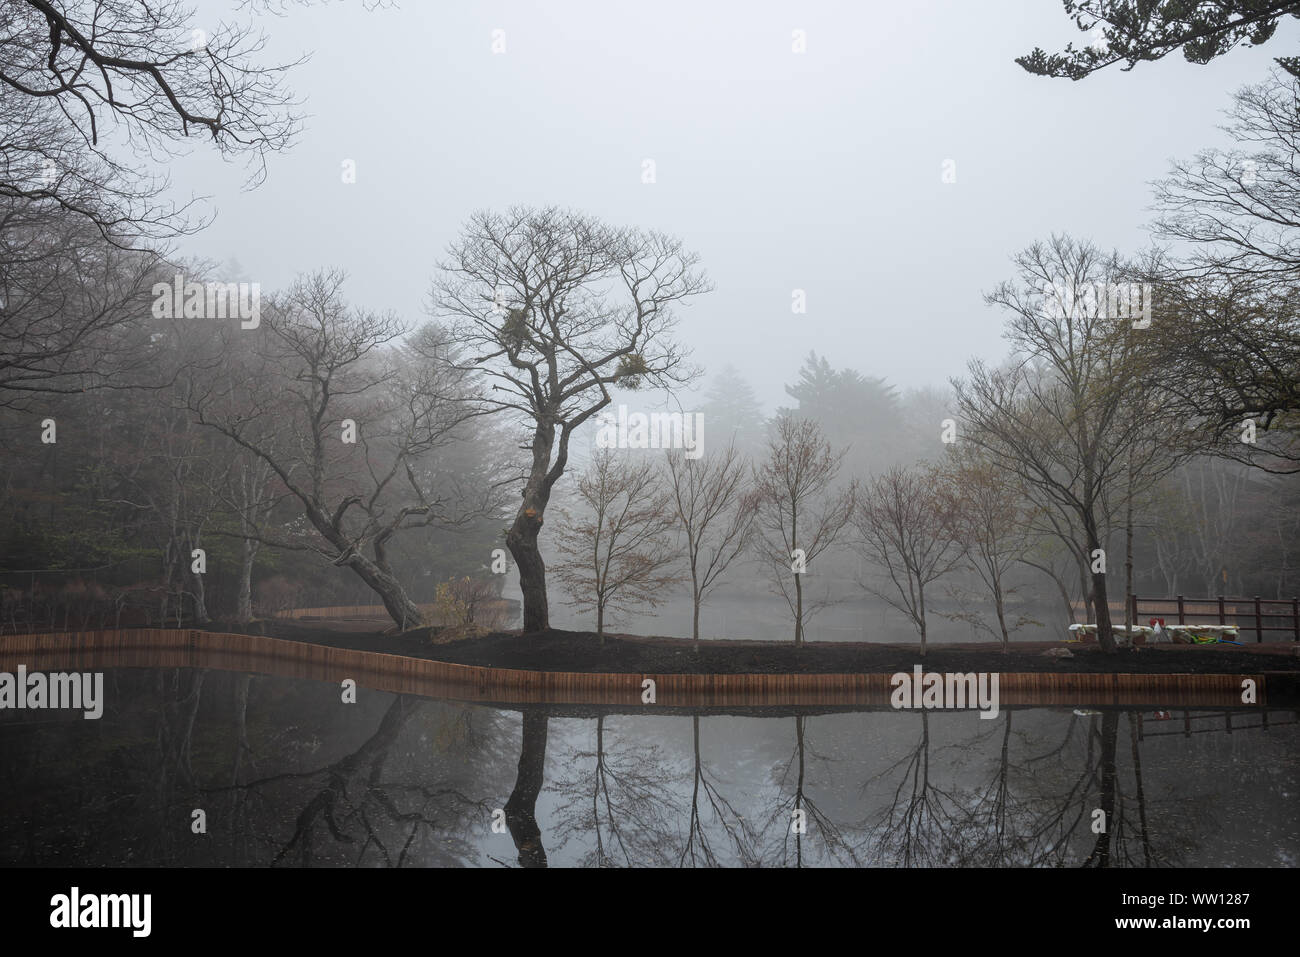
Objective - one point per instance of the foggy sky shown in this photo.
(819, 171)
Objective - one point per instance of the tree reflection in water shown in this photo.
(288, 776)
(792, 798)
(355, 804)
(619, 798)
(634, 806)
(521, 809)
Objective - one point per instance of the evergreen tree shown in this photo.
(855, 411)
(732, 413)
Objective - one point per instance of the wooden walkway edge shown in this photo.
(182, 648)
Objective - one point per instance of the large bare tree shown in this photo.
(1072, 413)
(557, 308)
(348, 429)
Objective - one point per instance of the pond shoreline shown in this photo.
(582, 652)
(373, 661)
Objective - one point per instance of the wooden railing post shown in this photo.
(1259, 623)
(1182, 618)
(1223, 620)
(1295, 617)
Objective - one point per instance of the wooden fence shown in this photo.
(1248, 614)
(1223, 723)
(506, 606)
(179, 648)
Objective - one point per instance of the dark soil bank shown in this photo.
(583, 652)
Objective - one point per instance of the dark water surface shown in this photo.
(289, 775)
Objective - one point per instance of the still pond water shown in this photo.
(286, 774)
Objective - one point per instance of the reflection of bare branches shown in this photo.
(698, 847)
(1068, 816)
(236, 817)
(1048, 834)
(354, 795)
(1069, 733)
(624, 807)
(990, 813)
(1032, 814)
(176, 722)
(917, 830)
(954, 791)
(179, 693)
(784, 815)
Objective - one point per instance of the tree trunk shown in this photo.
(1128, 569)
(244, 588)
(695, 605)
(798, 578)
(1085, 586)
(1100, 856)
(798, 611)
(522, 542)
(521, 808)
(920, 596)
(404, 612)
(1128, 554)
(1100, 602)
(1002, 617)
(200, 593)
(522, 537)
(695, 626)
(200, 600)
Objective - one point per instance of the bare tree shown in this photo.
(715, 513)
(557, 307)
(73, 308)
(73, 70)
(1056, 551)
(1239, 208)
(253, 498)
(1231, 326)
(1211, 490)
(322, 378)
(1229, 353)
(989, 521)
(617, 556)
(800, 512)
(1064, 415)
(905, 527)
